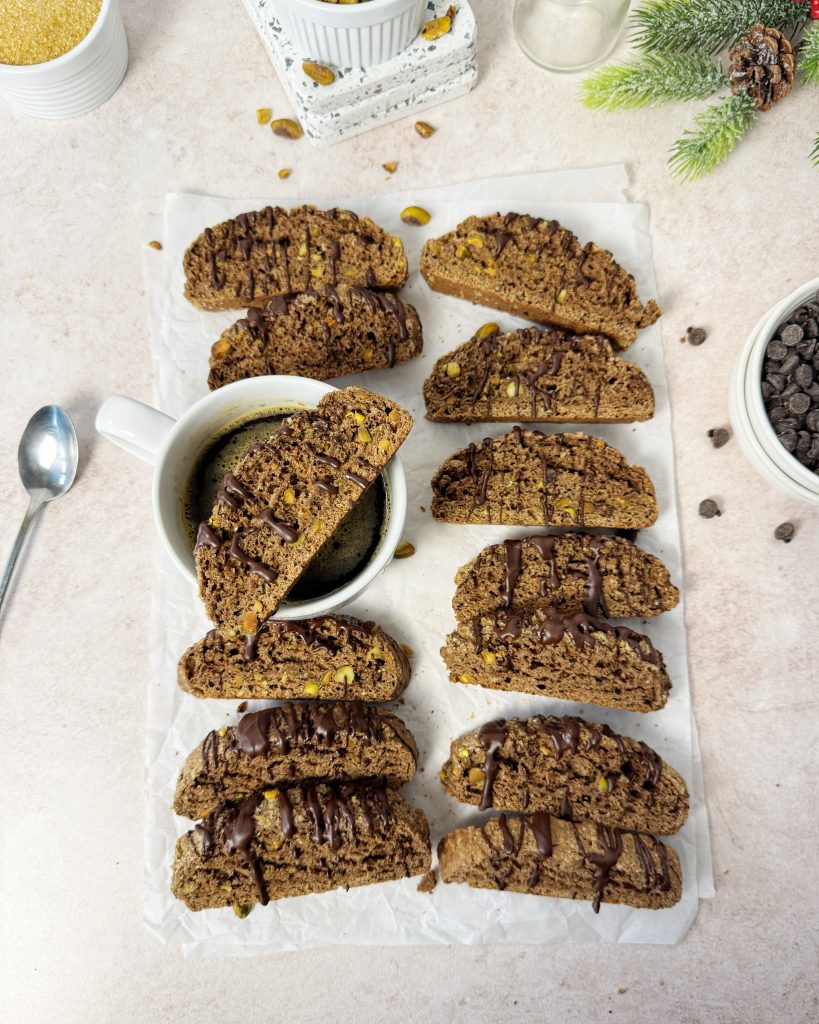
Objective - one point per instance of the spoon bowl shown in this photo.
(48, 453)
(47, 459)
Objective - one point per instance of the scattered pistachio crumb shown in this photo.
(284, 173)
(404, 550)
(263, 115)
(155, 245)
(391, 166)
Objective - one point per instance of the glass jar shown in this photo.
(568, 35)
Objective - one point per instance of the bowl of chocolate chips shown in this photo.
(775, 394)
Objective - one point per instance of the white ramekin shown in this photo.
(77, 81)
(752, 428)
(172, 447)
(351, 35)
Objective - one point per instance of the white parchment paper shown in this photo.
(412, 600)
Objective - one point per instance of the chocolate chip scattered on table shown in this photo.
(785, 532)
(709, 508)
(790, 384)
(695, 335)
(719, 436)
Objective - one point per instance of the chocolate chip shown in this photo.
(812, 420)
(789, 364)
(803, 375)
(790, 389)
(776, 350)
(799, 403)
(709, 508)
(719, 436)
(785, 532)
(788, 439)
(811, 328)
(806, 349)
(767, 390)
(776, 380)
(791, 334)
(696, 335)
(777, 415)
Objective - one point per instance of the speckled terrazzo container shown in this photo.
(351, 35)
(423, 75)
(76, 82)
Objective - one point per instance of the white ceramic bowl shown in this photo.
(351, 35)
(79, 80)
(173, 447)
(752, 427)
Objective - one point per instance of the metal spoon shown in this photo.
(47, 459)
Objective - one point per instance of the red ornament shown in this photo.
(814, 9)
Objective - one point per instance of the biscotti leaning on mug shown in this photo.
(538, 270)
(250, 259)
(285, 498)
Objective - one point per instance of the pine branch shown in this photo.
(815, 154)
(808, 56)
(656, 78)
(679, 26)
(718, 129)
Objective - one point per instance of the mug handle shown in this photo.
(134, 426)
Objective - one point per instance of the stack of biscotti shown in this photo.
(535, 375)
(537, 269)
(587, 804)
(532, 618)
(295, 799)
(319, 285)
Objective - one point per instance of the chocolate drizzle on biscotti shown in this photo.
(274, 252)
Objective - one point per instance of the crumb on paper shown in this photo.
(427, 883)
(155, 245)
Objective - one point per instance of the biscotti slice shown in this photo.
(325, 333)
(538, 854)
(600, 575)
(291, 742)
(535, 375)
(538, 270)
(527, 478)
(568, 655)
(574, 769)
(285, 497)
(332, 657)
(290, 842)
(250, 259)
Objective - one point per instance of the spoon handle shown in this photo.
(28, 519)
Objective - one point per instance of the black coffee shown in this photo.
(341, 558)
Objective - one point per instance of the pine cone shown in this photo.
(761, 64)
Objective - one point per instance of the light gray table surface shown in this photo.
(73, 641)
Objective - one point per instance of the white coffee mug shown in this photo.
(173, 447)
